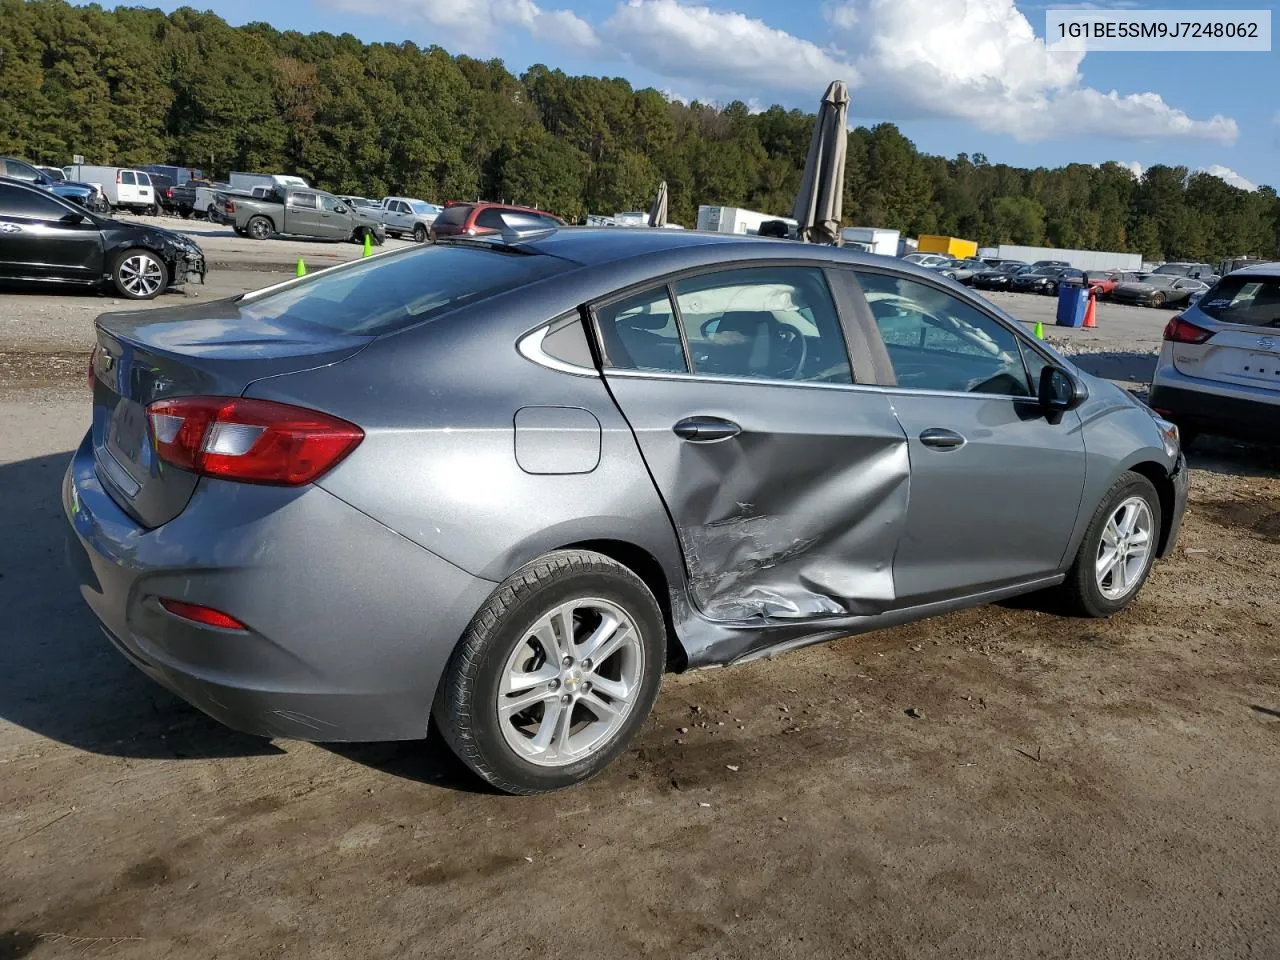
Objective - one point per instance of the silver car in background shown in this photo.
(1219, 367)
(501, 485)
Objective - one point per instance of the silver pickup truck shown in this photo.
(408, 215)
(303, 213)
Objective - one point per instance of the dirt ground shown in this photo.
(1002, 782)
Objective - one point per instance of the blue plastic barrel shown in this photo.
(1072, 303)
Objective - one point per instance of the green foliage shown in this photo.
(133, 85)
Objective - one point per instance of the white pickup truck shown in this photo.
(407, 215)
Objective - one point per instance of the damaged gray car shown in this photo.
(502, 485)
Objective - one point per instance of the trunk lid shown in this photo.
(207, 349)
(1243, 311)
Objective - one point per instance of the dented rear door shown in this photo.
(788, 497)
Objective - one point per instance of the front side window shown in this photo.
(938, 342)
(772, 323)
(330, 204)
(20, 204)
(20, 171)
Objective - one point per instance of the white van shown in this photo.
(122, 186)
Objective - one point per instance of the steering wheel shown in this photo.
(790, 337)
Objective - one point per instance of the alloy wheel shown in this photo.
(1125, 548)
(141, 275)
(571, 682)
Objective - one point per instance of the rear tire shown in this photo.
(258, 228)
(509, 639)
(1088, 590)
(139, 275)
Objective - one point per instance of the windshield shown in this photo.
(421, 206)
(1160, 279)
(383, 294)
(1252, 301)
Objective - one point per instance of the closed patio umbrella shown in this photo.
(820, 202)
(658, 212)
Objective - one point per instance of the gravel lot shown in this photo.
(1070, 788)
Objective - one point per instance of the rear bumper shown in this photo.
(349, 625)
(1245, 413)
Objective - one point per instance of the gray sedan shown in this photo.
(503, 485)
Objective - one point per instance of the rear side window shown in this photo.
(389, 293)
(126, 176)
(640, 333)
(303, 201)
(1252, 301)
(768, 323)
(456, 216)
(490, 219)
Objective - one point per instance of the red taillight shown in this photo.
(1184, 331)
(197, 613)
(254, 441)
(117, 176)
(231, 207)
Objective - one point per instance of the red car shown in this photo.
(1104, 283)
(478, 219)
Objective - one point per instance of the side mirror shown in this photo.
(71, 218)
(340, 208)
(1060, 391)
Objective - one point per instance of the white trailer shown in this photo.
(736, 220)
(872, 240)
(1080, 259)
(247, 181)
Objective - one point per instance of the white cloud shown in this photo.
(1133, 166)
(475, 23)
(981, 61)
(727, 51)
(1230, 176)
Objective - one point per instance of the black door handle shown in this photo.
(704, 429)
(941, 439)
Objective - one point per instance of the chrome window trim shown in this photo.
(853, 387)
(529, 346)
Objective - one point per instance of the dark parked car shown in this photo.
(1158, 290)
(506, 483)
(44, 238)
(1040, 264)
(163, 188)
(479, 219)
(1045, 280)
(1001, 277)
(84, 194)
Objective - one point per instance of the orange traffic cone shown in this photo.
(1090, 312)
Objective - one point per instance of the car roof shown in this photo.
(1267, 269)
(599, 245)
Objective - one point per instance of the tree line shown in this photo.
(134, 86)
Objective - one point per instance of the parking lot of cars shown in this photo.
(997, 774)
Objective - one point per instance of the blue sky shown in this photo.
(956, 75)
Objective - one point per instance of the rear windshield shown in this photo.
(384, 294)
(455, 215)
(1253, 301)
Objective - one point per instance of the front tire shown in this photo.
(555, 674)
(1157, 299)
(139, 275)
(1118, 550)
(419, 233)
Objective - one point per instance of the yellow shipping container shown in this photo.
(953, 246)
